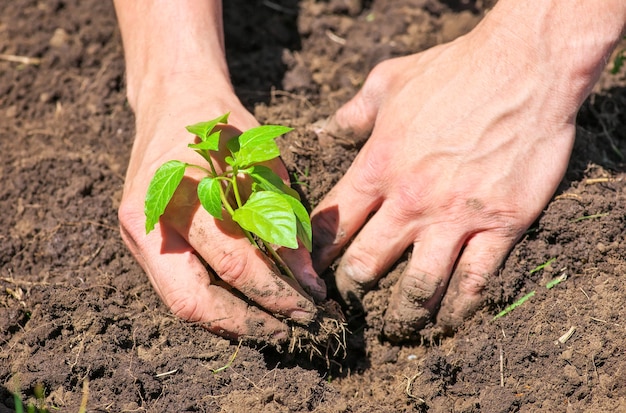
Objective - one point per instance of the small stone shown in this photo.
(59, 38)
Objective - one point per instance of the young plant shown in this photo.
(272, 212)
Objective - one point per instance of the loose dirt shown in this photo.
(75, 306)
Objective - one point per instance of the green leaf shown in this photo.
(257, 145)
(203, 129)
(161, 189)
(303, 222)
(270, 216)
(209, 196)
(267, 180)
(211, 143)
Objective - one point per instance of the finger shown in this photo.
(416, 295)
(234, 259)
(299, 261)
(378, 245)
(482, 257)
(353, 122)
(184, 285)
(339, 216)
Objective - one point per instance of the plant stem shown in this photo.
(203, 169)
(231, 211)
(236, 188)
(279, 260)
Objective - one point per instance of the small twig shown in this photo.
(25, 60)
(85, 398)
(563, 339)
(606, 132)
(590, 181)
(501, 366)
(567, 196)
(166, 373)
(337, 39)
(294, 96)
(590, 217)
(581, 289)
(407, 390)
(595, 368)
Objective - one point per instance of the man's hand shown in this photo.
(205, 270)
(172, 255)
(467, 143)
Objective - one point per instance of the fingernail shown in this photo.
(280, 335)
(316, 287)
(302, 317)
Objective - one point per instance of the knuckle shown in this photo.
(378, 78)
(231, 267)
(360, 267)
(472, 283)
(418, 287)
(407, 206)
(369, 173)
(186, 307)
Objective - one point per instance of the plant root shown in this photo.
(325, 338)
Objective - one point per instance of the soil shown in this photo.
(78, 318)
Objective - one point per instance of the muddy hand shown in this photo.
(466, 147)
(242, 293)
(177, 75)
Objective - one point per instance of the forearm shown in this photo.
(566, 42)
(171, 42)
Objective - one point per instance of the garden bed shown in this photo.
(75, 307)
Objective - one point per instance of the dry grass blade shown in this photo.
(25, 60)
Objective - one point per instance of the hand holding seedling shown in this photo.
(467, 143)
(187, 235)
(269, 213)
(176, 78)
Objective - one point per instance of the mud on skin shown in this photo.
(74, 304)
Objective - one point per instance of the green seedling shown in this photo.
(272, 212)
(542, 266)
(551, 284)
(230, 361)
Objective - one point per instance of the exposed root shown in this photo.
(325, 338)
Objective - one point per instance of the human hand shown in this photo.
(467, 143)
(173, 255)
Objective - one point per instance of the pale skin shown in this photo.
(465, 145)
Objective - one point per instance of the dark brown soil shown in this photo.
(75, 306)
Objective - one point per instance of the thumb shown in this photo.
(352, 124)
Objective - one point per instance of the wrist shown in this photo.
(170, 45)
(566, 44)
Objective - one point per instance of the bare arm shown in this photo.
(177, 75)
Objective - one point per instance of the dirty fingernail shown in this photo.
(302, 317)
(280, 335)
(405, 327)
(316, 287)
